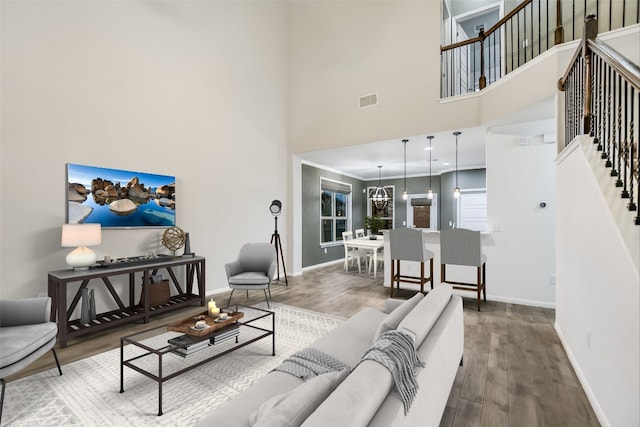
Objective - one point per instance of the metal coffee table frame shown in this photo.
(169, 349)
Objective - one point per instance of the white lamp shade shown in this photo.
(74, 235)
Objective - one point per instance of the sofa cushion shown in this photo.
(394, 318)
(356, 400)
(349, 341)
(419, 322)
(293, 407)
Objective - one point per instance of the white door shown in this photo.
(472, 210)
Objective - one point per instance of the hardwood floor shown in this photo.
(515, 371)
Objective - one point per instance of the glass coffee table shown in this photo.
(165, 352)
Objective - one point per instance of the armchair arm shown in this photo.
(233, 268)
(272, 270)
(25, 311)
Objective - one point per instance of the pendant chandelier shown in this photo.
(380, 196)
(405, 196)
(430, 190)
(456, 191)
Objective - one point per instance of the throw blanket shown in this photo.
(309, 362)
(396, 351)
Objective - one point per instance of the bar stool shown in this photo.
(407, 244)
(459, 246)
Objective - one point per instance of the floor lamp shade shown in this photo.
(80, 236)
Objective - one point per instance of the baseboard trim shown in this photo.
(602, 418)
(531, 303)
(324, 264)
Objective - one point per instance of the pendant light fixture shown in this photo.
(380, 196)
(405, 196)
(456, 191)
(430, 190)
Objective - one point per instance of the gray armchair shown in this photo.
(253, 269)
(26, 333)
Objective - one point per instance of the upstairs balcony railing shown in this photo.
(530, 29)
(602, 99)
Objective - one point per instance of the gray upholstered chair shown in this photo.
(459, 246)
(409, 244)
(26, 333)
(253, 269)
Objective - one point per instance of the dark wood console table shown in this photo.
(59, 281)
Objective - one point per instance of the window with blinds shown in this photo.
(335, 210)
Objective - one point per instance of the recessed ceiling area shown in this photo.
(361, 161)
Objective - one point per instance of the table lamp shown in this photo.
(80, 236)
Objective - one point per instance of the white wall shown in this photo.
(598, 288)
(193, 89)
(522, 252)
(346, 49)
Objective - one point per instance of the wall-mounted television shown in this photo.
(116, 198)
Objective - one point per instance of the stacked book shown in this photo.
(225, 334)
(188, 344)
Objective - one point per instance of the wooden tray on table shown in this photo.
(186, 326)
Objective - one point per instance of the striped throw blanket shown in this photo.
(396, 351)
(309, 362)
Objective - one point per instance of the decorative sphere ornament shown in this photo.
(173, 238)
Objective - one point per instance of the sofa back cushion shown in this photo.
(395, 317)
(421, 319)
(356, 400)
(292, 408)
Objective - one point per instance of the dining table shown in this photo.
(369, 244)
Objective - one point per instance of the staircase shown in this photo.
(602, 100)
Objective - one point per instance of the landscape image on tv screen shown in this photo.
(117, 198)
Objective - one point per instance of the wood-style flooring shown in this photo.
(515, 371)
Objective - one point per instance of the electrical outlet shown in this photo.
(552, 280)
(42, 294)
(325, 250)
(404, 223)
(587, 337)
(525, 43)
(497, 227)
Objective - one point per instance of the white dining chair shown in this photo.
(350, 254)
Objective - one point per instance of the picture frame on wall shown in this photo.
(117, 198)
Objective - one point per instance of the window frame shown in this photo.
(337, 240)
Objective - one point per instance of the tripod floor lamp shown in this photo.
(275, 209)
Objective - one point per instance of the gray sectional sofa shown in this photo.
(364, 395)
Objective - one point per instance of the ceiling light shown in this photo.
(405, 196)
(456, 191)
(380, 196)
(430, 148)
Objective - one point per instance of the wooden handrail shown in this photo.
(491, 30)
(624, 67)
(576, 55)
(601, 88)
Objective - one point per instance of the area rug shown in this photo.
(88, 392)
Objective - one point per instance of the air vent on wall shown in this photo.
(369, 100)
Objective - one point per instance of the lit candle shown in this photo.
(213, 310)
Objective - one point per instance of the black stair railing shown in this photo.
(531, 28)
(602, 99)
